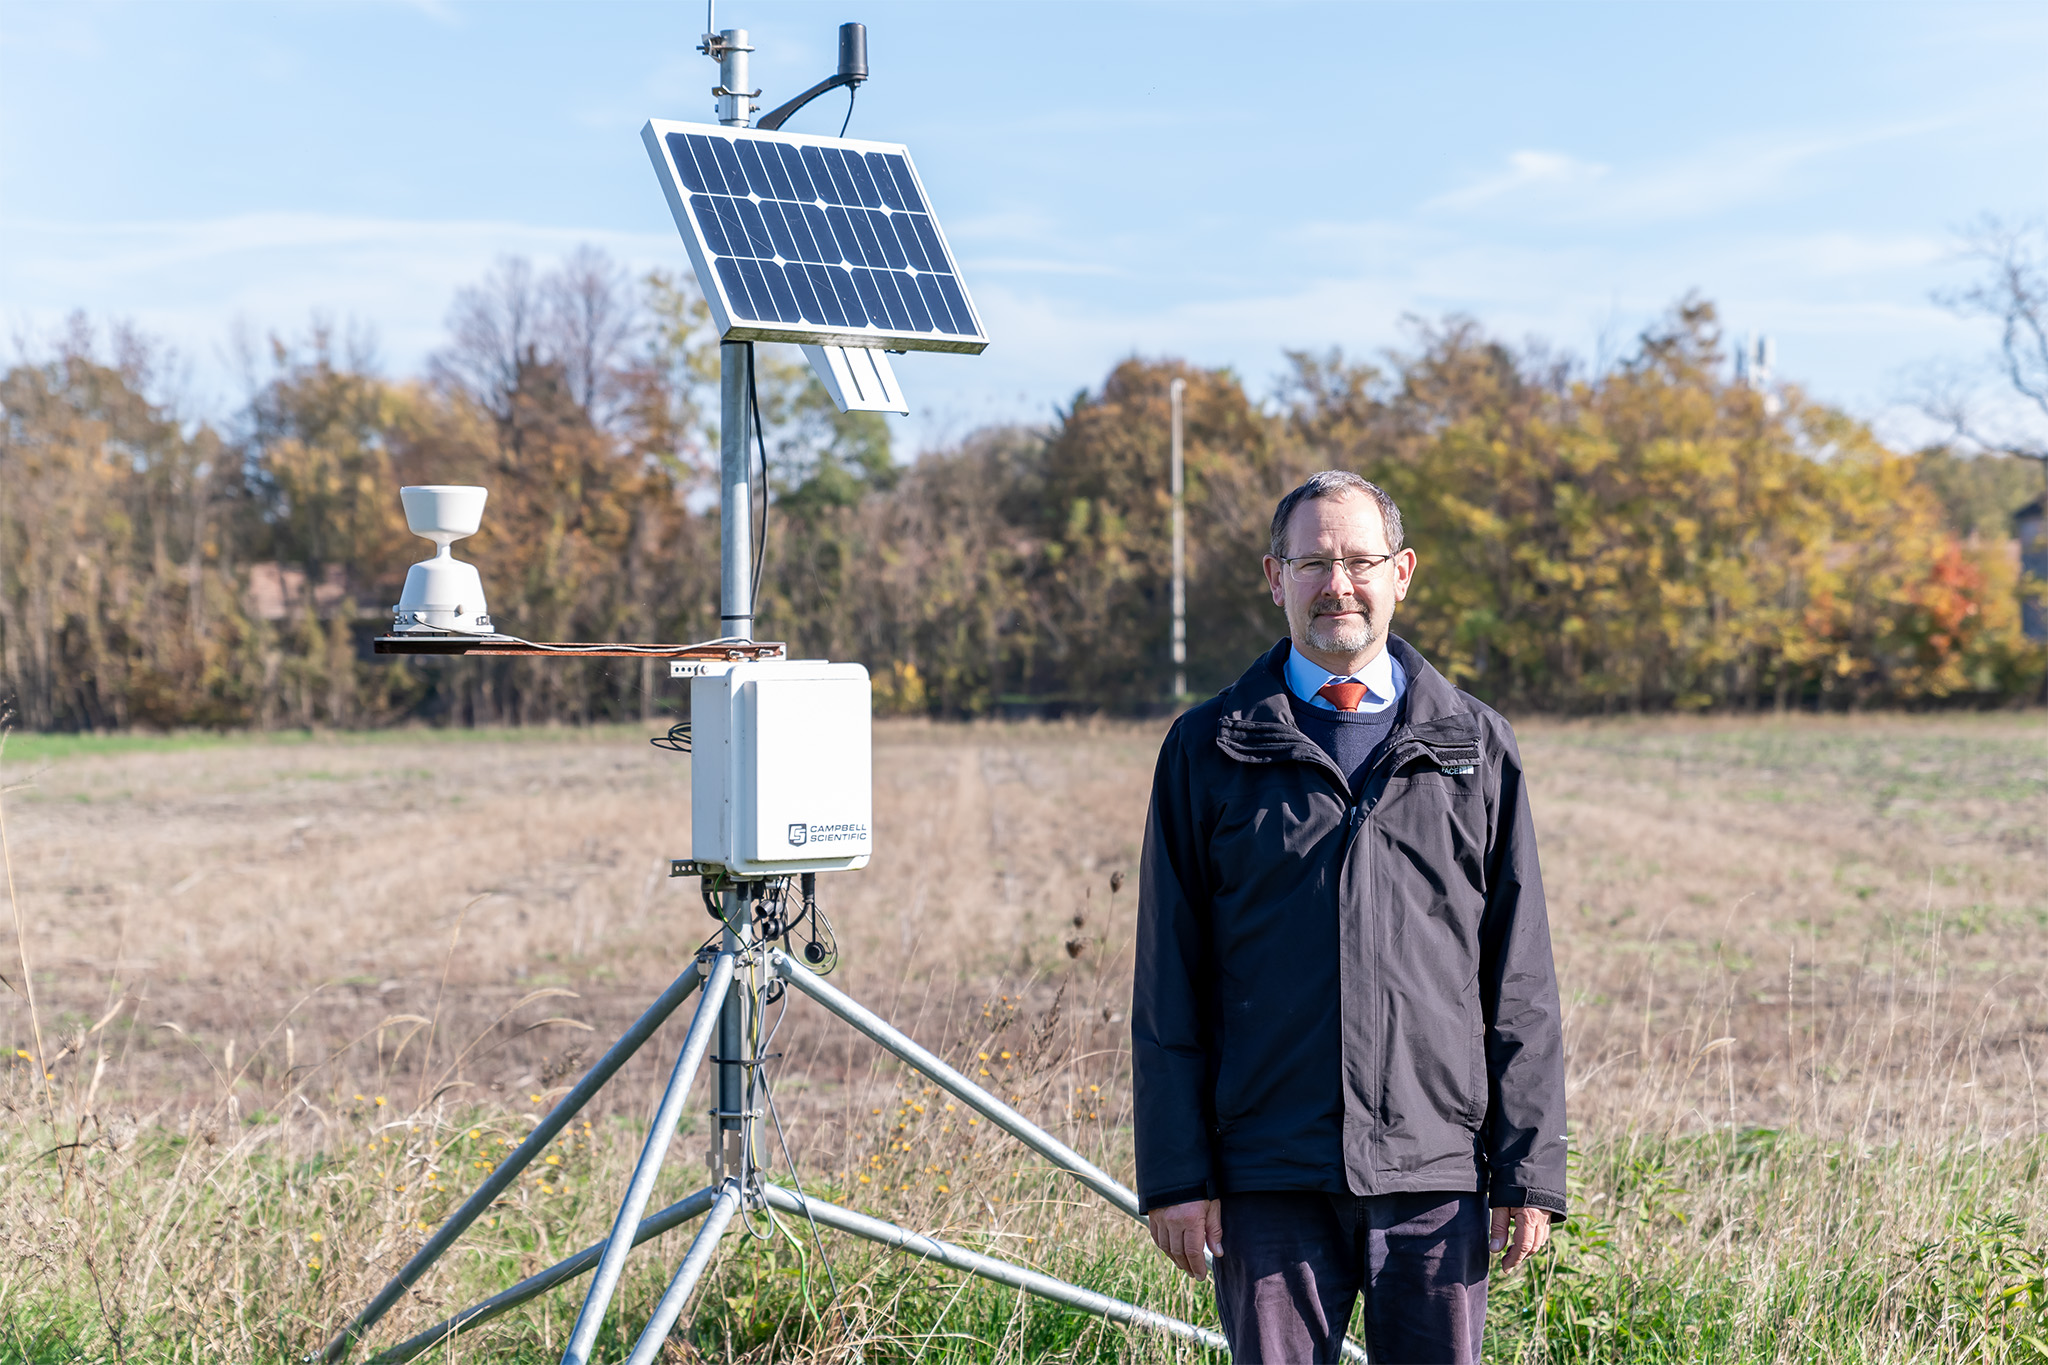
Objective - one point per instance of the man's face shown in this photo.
(1337, 622)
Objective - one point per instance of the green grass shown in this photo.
(1759, 1246)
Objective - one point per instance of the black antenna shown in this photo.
(853, 69)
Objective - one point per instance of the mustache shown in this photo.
(1327, 605)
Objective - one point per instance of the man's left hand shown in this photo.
(1531, 1229)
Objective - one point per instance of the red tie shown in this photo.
(1345, 696)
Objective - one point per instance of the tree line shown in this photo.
(1650, 536)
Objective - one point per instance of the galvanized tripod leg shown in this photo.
(533, 1286)
(677, 1296)
(955, 1084)
(988, 1267)
(508, 1170)
(613, 1263)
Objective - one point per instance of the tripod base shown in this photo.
(722, 1203)
(746, 1186)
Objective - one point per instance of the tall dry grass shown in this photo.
(294, 997)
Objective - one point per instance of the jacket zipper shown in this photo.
(1391, 760)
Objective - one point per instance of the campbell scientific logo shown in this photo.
(855, 833)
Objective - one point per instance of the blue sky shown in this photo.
(1219, 182)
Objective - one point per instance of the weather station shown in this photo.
(831, 244)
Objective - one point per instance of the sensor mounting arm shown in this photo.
(853, 69)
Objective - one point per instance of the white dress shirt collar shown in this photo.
(1384, 678)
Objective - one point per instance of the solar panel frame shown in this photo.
(869, 256)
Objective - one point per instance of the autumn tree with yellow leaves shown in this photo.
(1651, 536)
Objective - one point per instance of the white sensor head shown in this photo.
(444, 512)
(443, 593)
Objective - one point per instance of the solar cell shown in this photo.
(818, 240)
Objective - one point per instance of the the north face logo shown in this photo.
(798, 835)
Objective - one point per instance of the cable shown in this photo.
(499, 637)
(822, 952)
(850, 90)
(677, 740)
(772, 920)
(760, 441)
(797, 1184)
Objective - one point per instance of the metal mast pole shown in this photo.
(1180, 554)
(735, 496)
(736, 608)
(735, 488)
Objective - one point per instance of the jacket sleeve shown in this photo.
(1525, 1124)
(1169, 1037)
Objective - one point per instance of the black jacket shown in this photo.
(1337, 993)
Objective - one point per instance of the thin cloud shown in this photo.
(46, 255)
(1025, 265)
(441, 12)
(1733, 174)
(1713, 180)
(1525, 170)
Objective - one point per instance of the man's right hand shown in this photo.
(1183, 1231)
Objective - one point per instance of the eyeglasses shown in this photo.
(1316, 568)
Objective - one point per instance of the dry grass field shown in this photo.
(294, 992)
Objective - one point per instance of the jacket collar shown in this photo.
(1257, 721)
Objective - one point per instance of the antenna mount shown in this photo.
(853, 69)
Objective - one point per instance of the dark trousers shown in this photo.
(1293, 1265)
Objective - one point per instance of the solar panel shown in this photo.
(819, 240)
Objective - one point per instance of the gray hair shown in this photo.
(1334, 483)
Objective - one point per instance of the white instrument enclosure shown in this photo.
(781, 767)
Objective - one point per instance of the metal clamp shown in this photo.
(746, 94)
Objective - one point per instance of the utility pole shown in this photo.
(1180, 553)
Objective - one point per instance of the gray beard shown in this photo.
(1333, 638)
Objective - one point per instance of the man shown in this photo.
(1345, 1031)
